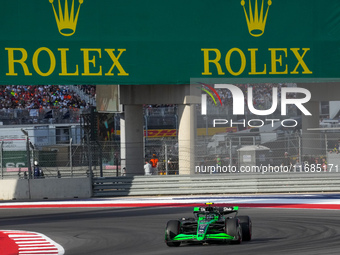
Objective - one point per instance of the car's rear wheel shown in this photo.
(233, 228)
(172, 230)
(246, 226)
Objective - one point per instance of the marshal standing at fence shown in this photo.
(286, 160)
(154, 164)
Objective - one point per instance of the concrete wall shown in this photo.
(37, 189)
(14, 189)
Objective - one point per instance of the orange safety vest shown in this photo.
(154, 162)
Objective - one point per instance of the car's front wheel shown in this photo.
(172, 230)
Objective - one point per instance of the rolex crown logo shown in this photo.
(66, 20)
(256, 21)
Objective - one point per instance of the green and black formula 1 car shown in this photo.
(210, 225)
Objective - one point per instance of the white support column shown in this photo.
(186, 138)
(131, 140)
(311, 143)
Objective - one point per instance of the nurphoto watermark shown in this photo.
(263, 168)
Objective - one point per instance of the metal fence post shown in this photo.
(300, 150)
(100, 159)
(2, 155)
(116, 162)
(28, 153)
(89, 149)
(28, 158)
(166, 158)
(326, 143)
(71, 163)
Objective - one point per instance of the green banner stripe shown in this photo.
(168, 42)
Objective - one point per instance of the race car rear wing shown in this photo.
(215, 209)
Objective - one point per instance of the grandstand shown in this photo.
(45, 104)
(56, 104)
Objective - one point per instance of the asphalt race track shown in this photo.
(106, 231)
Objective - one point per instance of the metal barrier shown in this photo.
(216, 184)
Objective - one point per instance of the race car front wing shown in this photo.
(218, 236)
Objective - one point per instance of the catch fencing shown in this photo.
(273, 149)
(89, 159)
(102, 159)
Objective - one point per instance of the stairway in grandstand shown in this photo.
(83, 95)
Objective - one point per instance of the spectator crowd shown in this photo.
(42, 97)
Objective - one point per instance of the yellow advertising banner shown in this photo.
(157, 133)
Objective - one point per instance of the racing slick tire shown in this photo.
(233, 228)
(246, 226)
(172, 230)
